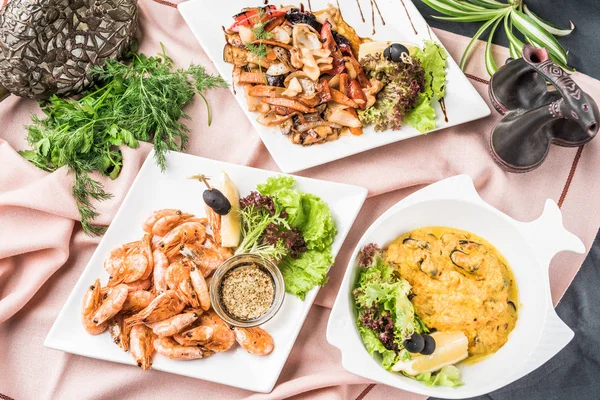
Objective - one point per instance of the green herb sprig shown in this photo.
(259, 50)
(513, 13)
(140, 100)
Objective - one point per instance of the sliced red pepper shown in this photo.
(252, 17)
(329, 43)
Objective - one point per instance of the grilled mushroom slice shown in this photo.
(286, 126)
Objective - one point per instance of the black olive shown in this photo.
(386, 54)
(415, 344)
(394, 52)
(217, 201)
(429, 347)
(278, 80)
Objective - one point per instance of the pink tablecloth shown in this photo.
(43, 250)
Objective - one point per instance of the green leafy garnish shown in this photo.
(375, 348)
(140, 100)
(386, 316)
(254, 224)
(433, 60)
(409, 88)
(312, 217)
(447, 376)
(309, 270)
(259, 28)
(422, 117)
(259, 49)
(380, 288)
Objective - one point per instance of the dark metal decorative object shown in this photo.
(537, 115)
(47, 46)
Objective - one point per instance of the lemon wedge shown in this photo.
(379, 47)
(230, 223)
(450, 348)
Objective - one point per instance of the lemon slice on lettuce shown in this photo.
(230, 223)
(451, 347)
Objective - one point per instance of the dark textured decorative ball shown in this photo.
(47, 46)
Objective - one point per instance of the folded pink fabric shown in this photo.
(43, 250)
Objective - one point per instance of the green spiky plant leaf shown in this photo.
(520, 24)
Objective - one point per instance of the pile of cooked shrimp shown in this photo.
(157, 296)
(299, 71)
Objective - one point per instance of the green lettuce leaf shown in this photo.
(318, 228)
(376, 348)
(422, 117)
(312, 216)
(447, 376)
(307, 212)
(433, 60)
(275, 184)
(302, 274)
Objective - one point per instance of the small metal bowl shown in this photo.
(239, 261)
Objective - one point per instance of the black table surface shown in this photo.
(574, 373)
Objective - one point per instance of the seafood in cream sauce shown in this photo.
(460, 282)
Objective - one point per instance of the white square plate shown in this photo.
(463, 104)
(154, 190)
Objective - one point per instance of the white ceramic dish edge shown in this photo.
(547, 237)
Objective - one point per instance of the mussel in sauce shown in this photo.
(428, 266)
(468, 262)
(415, 244)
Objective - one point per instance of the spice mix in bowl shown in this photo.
(247, 290)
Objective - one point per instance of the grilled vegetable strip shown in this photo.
(289, 103)
(252, 77)
(341, 98)
(265, 91)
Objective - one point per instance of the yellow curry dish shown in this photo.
(434, 297)
(460, 282)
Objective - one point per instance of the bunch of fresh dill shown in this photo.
(140, 99)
